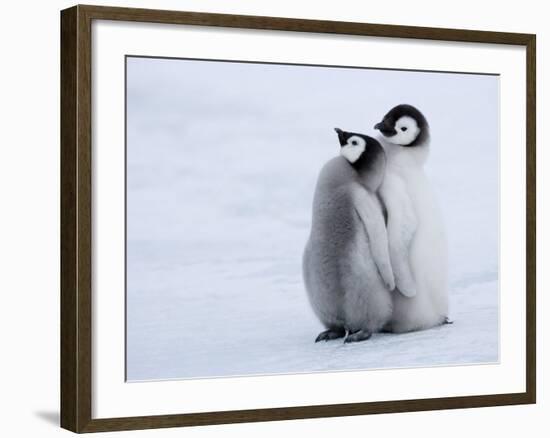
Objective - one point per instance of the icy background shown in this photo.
(222, 160)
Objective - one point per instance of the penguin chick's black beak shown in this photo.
(384, 129)
(341, 136)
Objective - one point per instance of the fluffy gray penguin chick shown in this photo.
(346, 264)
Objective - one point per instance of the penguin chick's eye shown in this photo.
(404, 128)
(354, 142)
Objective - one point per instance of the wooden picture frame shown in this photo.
(76, 217)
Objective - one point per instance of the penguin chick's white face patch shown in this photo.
(407, 131)
(353, 149)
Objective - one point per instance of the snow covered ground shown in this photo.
(222, 161)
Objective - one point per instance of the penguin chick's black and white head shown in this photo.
(358, 149)
(404, 125)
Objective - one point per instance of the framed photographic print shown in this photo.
(271, 218)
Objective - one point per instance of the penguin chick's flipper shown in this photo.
(330, 334)
(401, 228)
(358, 336)
(370, 212)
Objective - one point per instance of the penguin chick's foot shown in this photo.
(447, 321)
(330, 334)
(358, 336)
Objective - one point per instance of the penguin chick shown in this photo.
(416, 234)
(346, 264)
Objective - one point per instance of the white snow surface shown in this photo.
(222, 160)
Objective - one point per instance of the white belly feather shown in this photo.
(415, 225)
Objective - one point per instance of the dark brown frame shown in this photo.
(76, 226)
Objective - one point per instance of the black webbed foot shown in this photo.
(358, 336)
(330, 334)
(447, 321)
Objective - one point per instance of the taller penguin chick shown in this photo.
(416, 234)
(346, 264)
